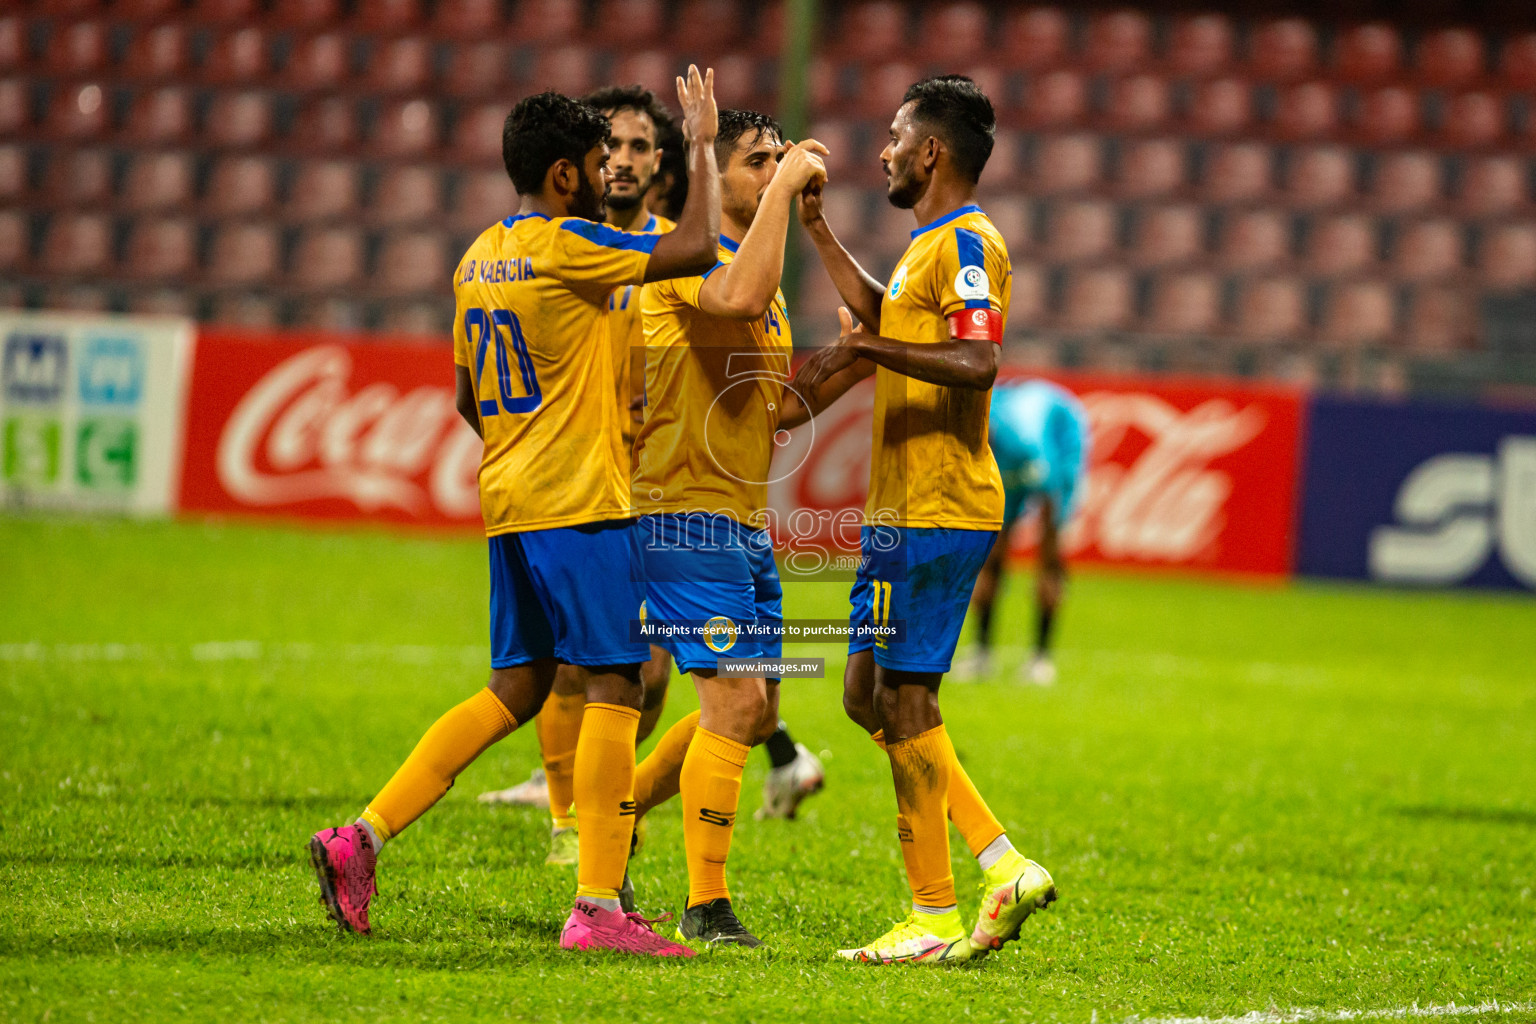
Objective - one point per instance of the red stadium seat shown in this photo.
(405, 128)
(1035, 38)
(1221, 106)
(1441, 319)
(483, 197)
(1027, 305)
(323, 190)
(1012, 215)
(76, 51)
(1056, 98)
(1309, 110)
(1388, 115)
(845, 156)
(386, 17)
(1517, 62)
(413, 264)
(1473, 119)
(243, 254)
(76, 245)
(1506, 259)
(145, 10)
(78, 178)
(1185, 303)
(326, 124)
(1138, 103)
(161, 250)
(767, 29)
(467, 19)
(1359, 313)
(157, 53)
(1271, 309)
(654, 69)
(13, 174)
(1237, 172)
(244, 309)
(428, 319)
(1200, 45)
(158, 181)
(331, 313)
(477, 134)
(565, 69)
(1283, 50)
(1429, 250)
(1492, 185)
(545, 21)
(822, 86)
(1080, 230)
(161, 302)
(237, 58)
(736, 83)
(327, 259)
(307, 15)
(1118, 40)
(1320, 176)
(77, 298)
(1168, 235)
(224, 12)
(883, 87)
(1151, 167)
(628, 23)
(1450, 57)
(957, 33)
(1344, 244)
(705, 26)
(400, 65)
(872, 30)
(1407, 180)
(13, 44)
(77, 112)
(1097, 299)
(318, 62)
(1254, 240)
(15, 247)
(240, 186)
(478, 69)
(407, 195)
(15, 107)
(1067, 163)
(238, 120)
(65, 10)
(1368, 53)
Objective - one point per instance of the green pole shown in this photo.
(794, 70)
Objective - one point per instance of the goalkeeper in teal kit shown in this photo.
(1039, 436)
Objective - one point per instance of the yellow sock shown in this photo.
(711, 787)
(657, 777)
(921, 768)
(967, 809)
(558, 726)
(448, 747)
(604, 781)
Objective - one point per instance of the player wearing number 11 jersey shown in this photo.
(535, 379)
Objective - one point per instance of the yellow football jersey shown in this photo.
(714, 388)
(531, 324)
(627, 331)
(930, 465)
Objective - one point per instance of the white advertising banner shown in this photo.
(92, 409)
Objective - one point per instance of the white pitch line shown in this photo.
(1414, 1012)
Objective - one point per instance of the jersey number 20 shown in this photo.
(492, 323)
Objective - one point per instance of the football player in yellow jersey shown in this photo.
(935, 506)
(717, 356)
(534, 377)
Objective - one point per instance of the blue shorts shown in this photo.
(710, 569)
(569, 593)
(920, 579)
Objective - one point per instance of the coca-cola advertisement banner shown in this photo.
(316, 427)
(1189, 474)
(1420, 495)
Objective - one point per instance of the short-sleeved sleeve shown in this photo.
(971, 272)
(595, 258)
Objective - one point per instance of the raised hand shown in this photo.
(825, 362)
(696, 95)
(801, 166)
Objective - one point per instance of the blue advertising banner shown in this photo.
(1419, 494)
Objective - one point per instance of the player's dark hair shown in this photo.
(738, 124)
(545, 128)
(630, 97)
(674, 163)
(953, 108)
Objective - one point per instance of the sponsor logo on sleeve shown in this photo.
(971, 283)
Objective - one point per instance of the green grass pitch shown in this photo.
(1252, 798)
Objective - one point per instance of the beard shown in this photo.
(742, 208)
(614, 201)
(903, 191)
(586, 203)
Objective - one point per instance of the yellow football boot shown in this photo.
(919, 939)
(1011, 890)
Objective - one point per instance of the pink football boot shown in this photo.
(344, 860)
(592, 927)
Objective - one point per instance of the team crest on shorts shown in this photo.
(720, 634)
(898, 282)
